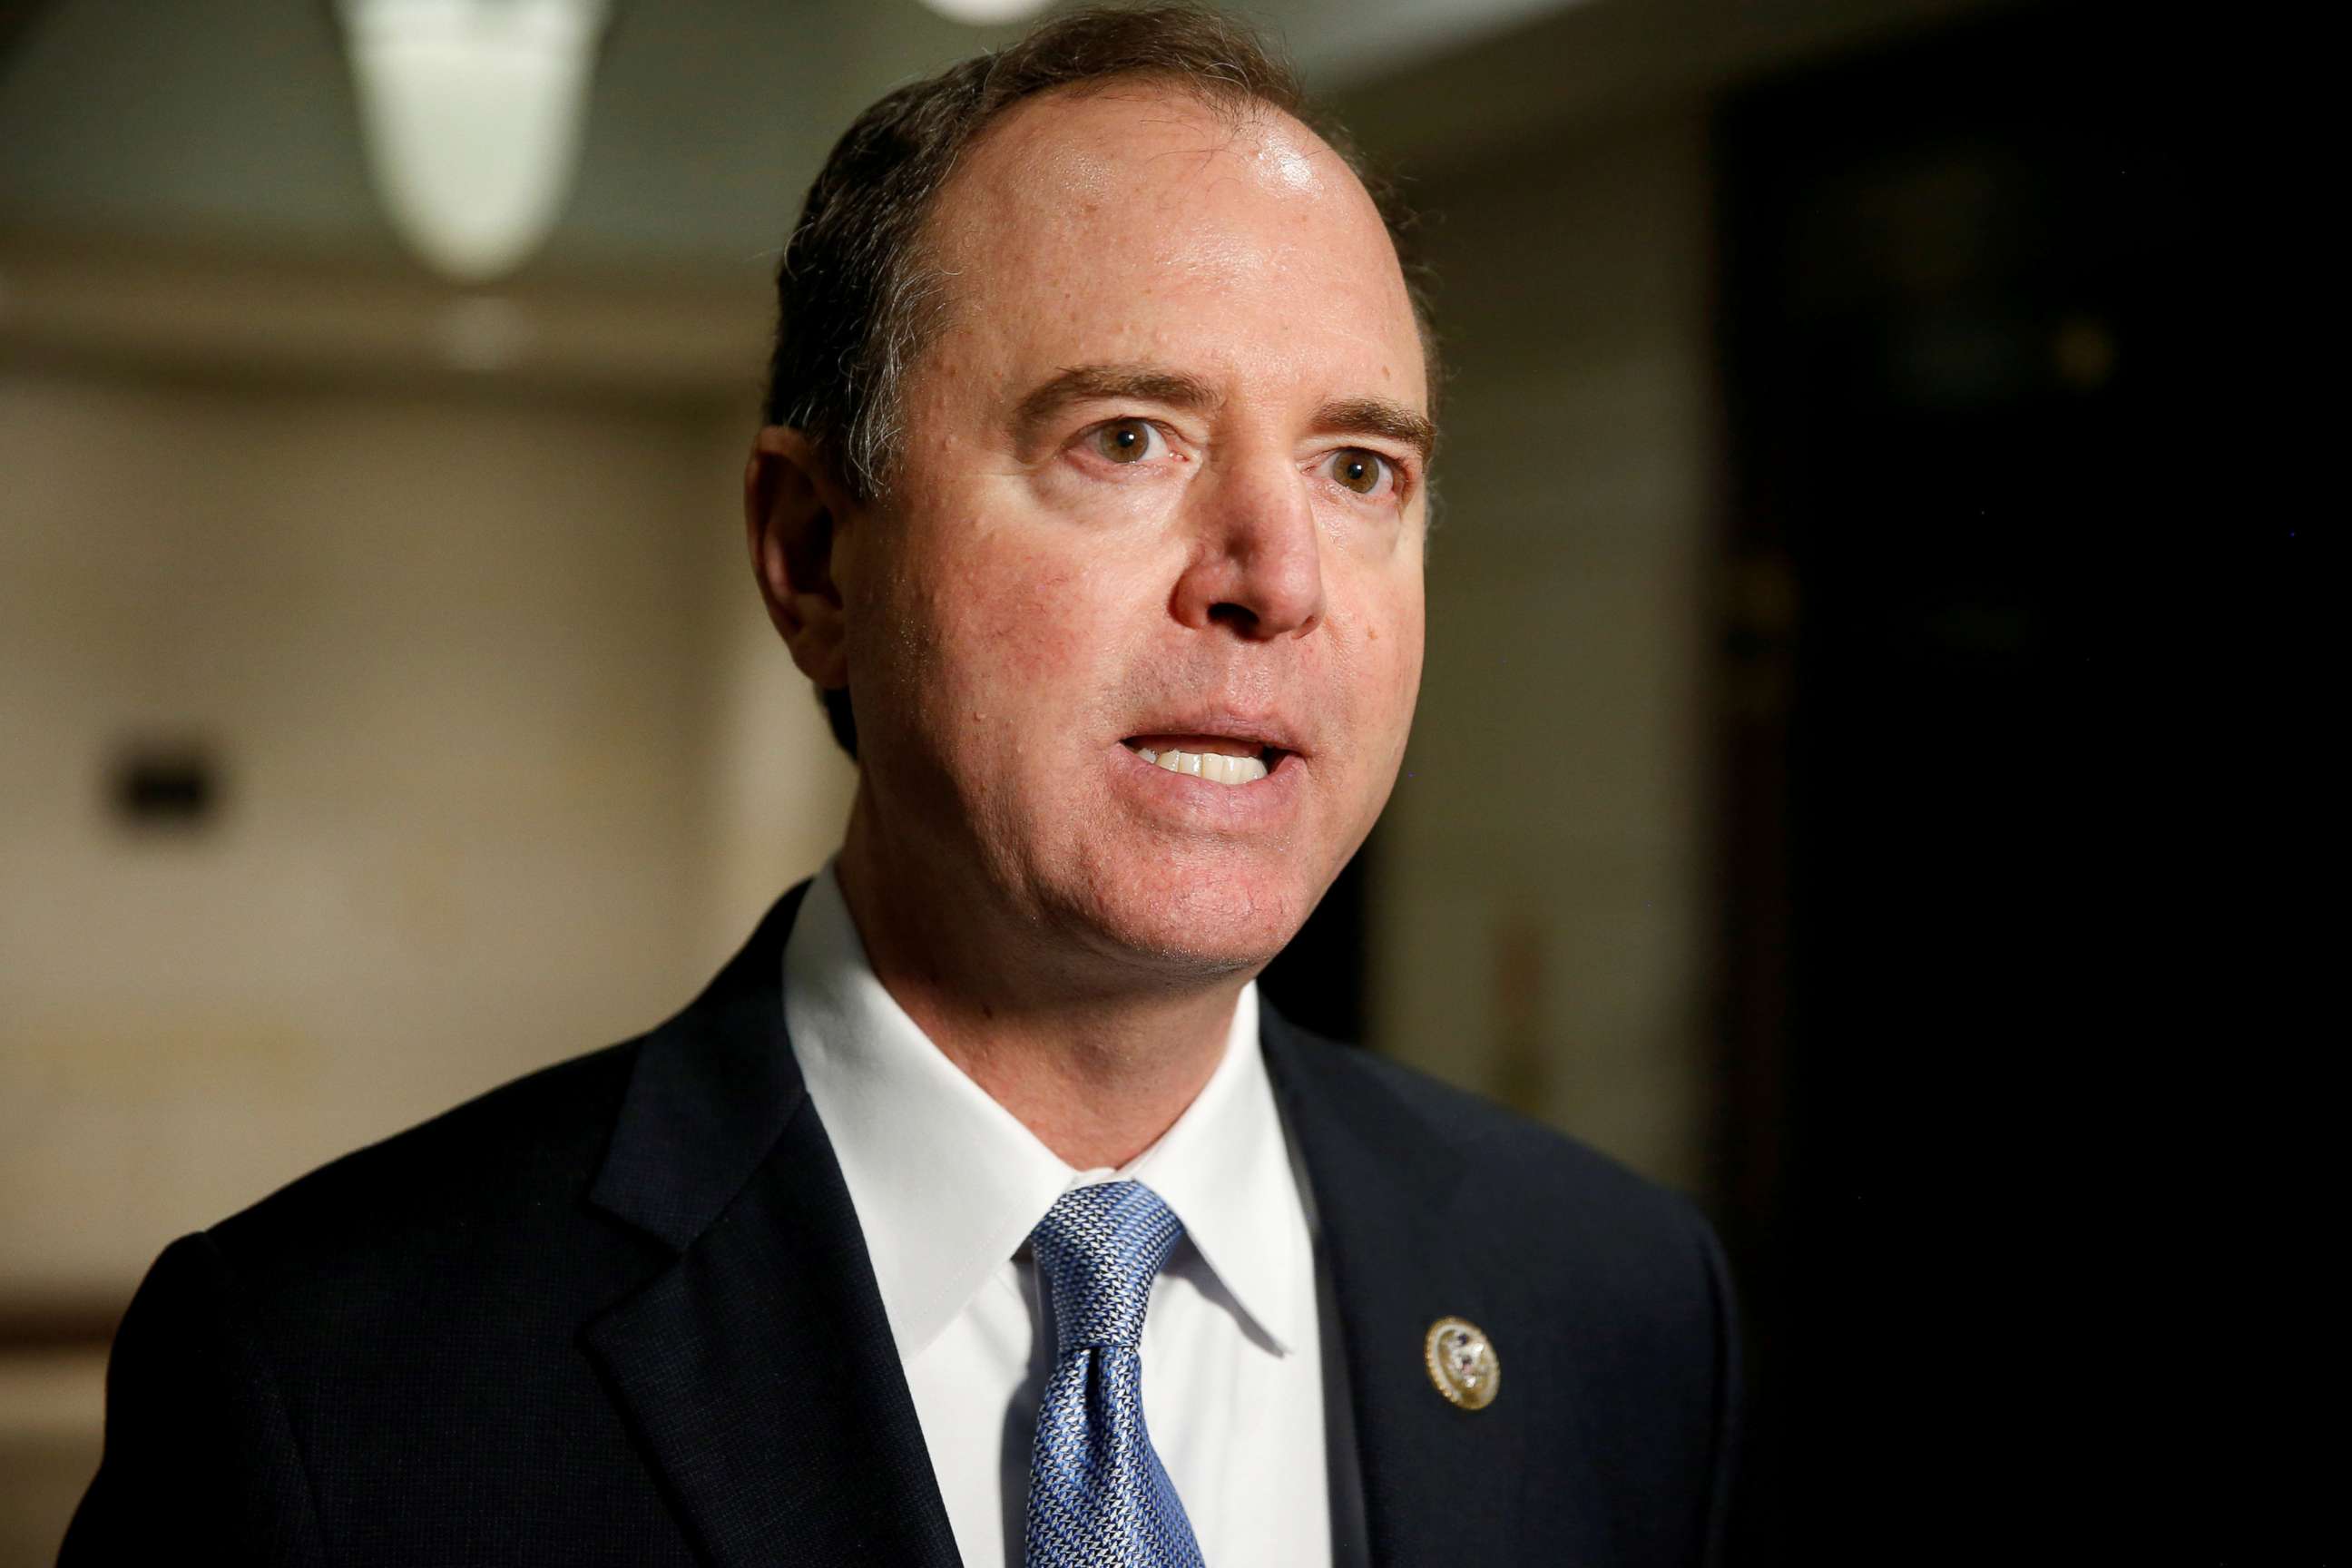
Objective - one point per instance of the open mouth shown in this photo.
(1218, 759)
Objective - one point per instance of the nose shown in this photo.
(1258, 562)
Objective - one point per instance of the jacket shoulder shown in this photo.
(1488, 1136)
(519, 1157)
(1614, 1284)
(1574, 1214)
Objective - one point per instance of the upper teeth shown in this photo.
(1211, 766)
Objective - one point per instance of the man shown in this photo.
(979, 1211)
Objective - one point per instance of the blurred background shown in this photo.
(386, 710)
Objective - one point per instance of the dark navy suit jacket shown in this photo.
(621, 1311)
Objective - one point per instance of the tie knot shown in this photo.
(1098, 1249)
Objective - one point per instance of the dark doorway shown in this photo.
(1944, 708)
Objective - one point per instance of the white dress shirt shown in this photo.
(947, 1184)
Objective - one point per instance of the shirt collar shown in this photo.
(1225, 1167)
(948, 1184)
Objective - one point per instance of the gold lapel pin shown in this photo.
(1461, 1364)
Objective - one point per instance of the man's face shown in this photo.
(1162, 488)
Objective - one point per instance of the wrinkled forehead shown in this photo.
(1135, 220)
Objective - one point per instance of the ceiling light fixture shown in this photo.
(471, 113)
(986, 13)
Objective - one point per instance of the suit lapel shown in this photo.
(757, 1368)
(1407, 1244)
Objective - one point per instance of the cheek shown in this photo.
(1382, 660)
(1410, 629)
(1010, 639)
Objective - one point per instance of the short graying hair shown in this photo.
(858, 299)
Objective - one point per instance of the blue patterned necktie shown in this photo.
(1098, 1495)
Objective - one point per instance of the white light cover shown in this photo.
(986, 13)
(472, 111)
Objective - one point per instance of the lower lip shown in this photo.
(1261, 803)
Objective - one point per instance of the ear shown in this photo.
(794, 512)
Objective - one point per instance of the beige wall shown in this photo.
(511, 761)
(1539, 907)
(461, 656)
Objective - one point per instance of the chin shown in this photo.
(1198, 923)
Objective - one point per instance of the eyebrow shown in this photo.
(1151, 384)
(1379, 416)
(1111, 383)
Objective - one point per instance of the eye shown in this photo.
(1359, 470)
(1127, 440)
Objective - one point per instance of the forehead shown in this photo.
(1133, 222)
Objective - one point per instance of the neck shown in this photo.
(1096, 1062)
